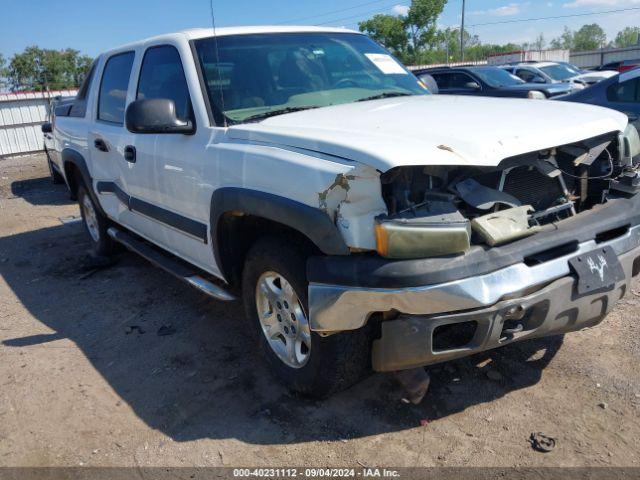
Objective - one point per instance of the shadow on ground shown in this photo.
(207, 380)
(40, 191)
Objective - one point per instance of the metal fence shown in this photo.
(21, 115)
(595, 58)
(590, 59)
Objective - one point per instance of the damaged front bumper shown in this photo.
(535, 295)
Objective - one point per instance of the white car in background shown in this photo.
(557, 72)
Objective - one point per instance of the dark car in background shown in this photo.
(487, 81)
(619, 66)
(621, 93)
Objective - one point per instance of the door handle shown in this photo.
(100, 145)
(130, 153)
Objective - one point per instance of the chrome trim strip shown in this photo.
(336, 308)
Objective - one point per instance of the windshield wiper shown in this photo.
(279, 111)
(385, 95)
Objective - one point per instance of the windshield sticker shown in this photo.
(386, 64)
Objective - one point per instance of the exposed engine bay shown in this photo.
(444, 210)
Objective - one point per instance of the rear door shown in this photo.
(108, 136)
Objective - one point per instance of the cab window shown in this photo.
(162, 76)
(113, 88)
(460, 81)
(625, 92)
(526, 75)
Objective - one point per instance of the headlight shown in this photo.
(536, 95)
(423, 236)
(629, 146)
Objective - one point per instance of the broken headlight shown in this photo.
(435, 228)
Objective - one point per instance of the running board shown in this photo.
(172, 265)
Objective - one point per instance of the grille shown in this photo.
(533, 188)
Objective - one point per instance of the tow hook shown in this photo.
(512, 326)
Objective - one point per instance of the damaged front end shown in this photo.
(438, 211)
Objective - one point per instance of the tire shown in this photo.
(56, 178)
(95, 224)
(331, 363)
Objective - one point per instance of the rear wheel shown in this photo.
(95, 223)
(275, 299)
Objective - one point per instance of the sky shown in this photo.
(93, 27)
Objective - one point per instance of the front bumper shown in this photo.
(409, 341)
(543, 296)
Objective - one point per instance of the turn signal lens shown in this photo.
(382, 240)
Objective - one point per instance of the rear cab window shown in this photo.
(79, 106)
(113, 88)
(624, 92)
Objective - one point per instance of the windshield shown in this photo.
(496, 77)
(572, 68)
(252, 77)
(558, 72)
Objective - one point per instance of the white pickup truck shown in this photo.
(365, 223)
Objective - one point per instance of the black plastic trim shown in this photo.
(369, 271)
(69, 156)
(174, 220)
(110, 187)
(311, 222)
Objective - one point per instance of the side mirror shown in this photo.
(47, 127)
(157, 115)
(472, 86)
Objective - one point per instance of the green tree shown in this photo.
(407, 35)
(564, 41)
(589, 37)
(627, 37)
(43, 69)
(388, 30)
(421, 21)
(540, 42)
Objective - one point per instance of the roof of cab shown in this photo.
(197, 33)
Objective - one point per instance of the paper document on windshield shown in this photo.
(386, 63)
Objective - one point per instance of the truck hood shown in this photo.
(433, 129)
(594, 77)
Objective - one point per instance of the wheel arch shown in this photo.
(239, 216)
(76, 173)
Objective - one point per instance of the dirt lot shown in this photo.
(77, 389)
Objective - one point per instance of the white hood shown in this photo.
(594, 77)
(434, 129)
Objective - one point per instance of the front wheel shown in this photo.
(275, 298)
(95, 223)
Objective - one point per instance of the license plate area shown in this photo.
(597, 270)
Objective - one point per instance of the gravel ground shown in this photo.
(78, 387)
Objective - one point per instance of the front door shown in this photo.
(169, 203)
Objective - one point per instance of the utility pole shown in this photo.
(462, 33)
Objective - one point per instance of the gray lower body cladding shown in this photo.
(412, 341)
